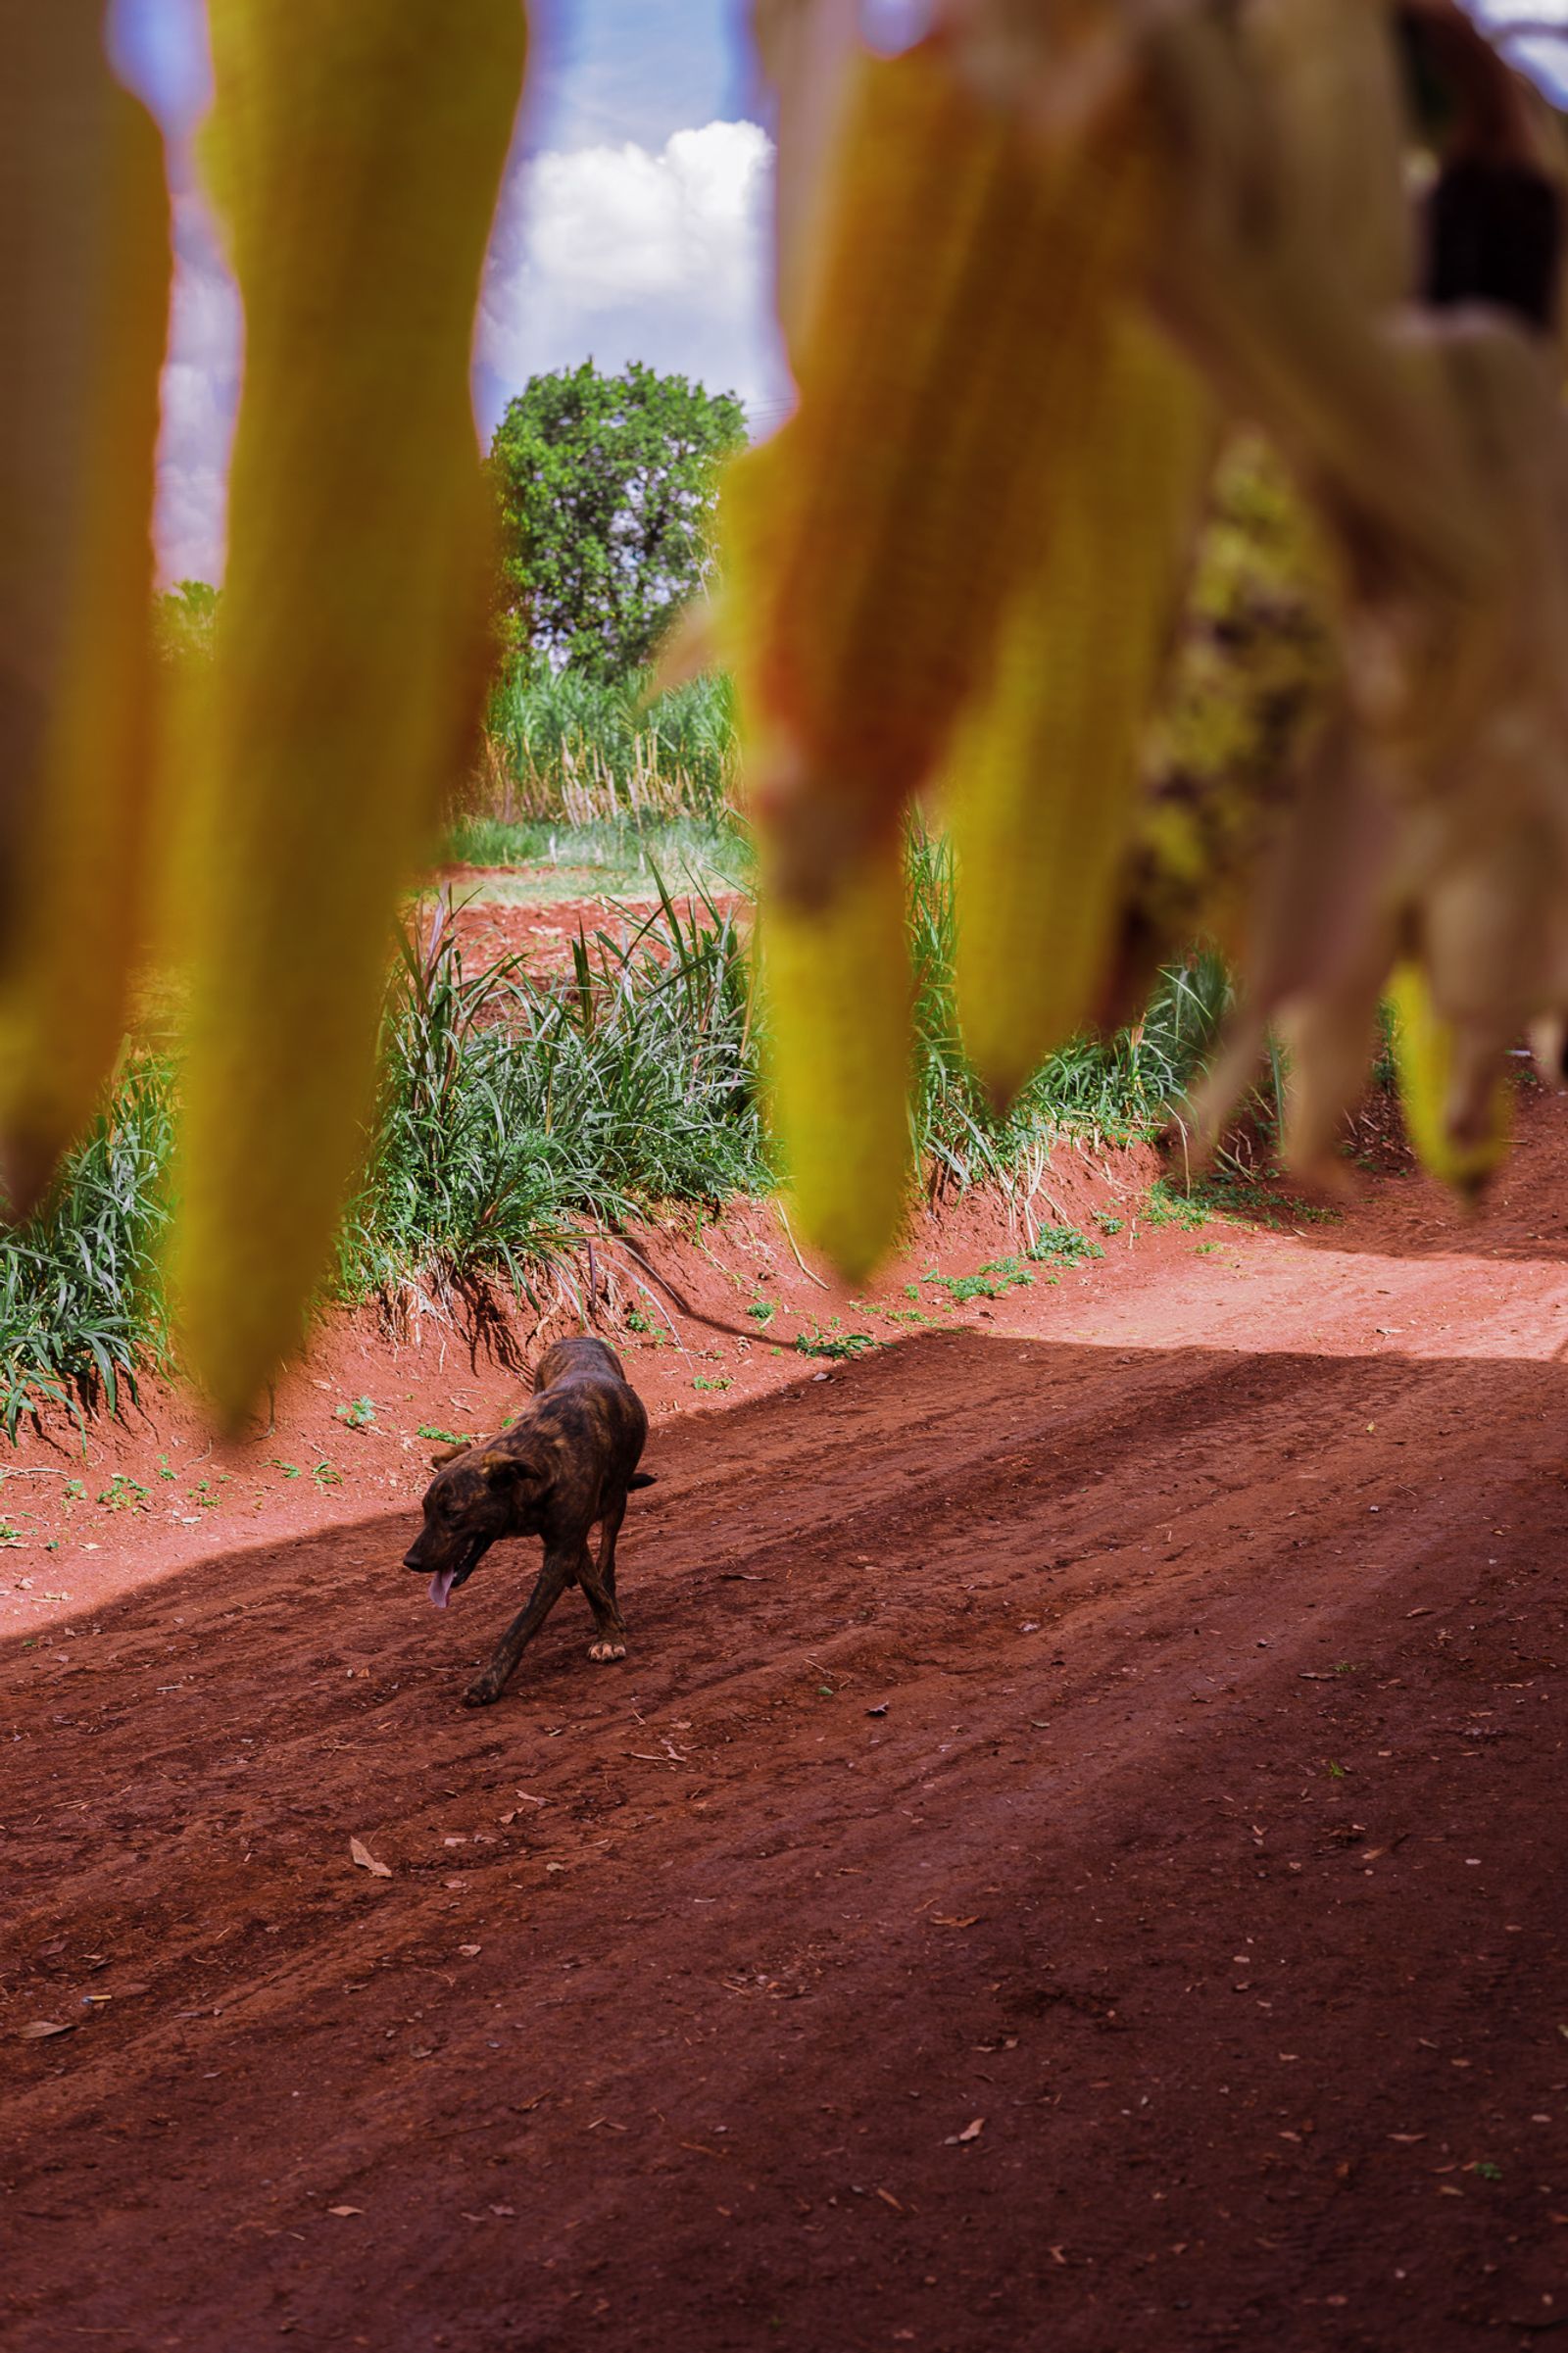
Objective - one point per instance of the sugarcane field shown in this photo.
(784, 1175)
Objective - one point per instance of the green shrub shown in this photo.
(80, 1298)
(515, 1114)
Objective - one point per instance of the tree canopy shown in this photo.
(604, 485)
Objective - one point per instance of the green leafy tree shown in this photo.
(184, 619)
(606, 489)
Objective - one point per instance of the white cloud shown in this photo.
(627, 253)
(618, 253)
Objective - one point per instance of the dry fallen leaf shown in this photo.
(41, 2027)
(974, 2131)
(469, 1949)
(344, 2210)
(366, 1861)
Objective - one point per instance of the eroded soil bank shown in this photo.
(1073, 1859)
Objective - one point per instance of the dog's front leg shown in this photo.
(560, 1569)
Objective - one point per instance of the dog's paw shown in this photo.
(484, 1692)
(606, 1651)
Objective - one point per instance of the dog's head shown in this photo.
(482, 1496)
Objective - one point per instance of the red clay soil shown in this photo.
(543, 935)
(1073, 1860)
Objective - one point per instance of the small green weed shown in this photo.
(1169, 1206)
(122, 1494)
(763, 1311)
(834, 1343)
(1062, 1245)
(445, 1437)
(361, 1416)
(993, 1282)
(1108, 1224)
(290, 1470)
(701, 1382)
(325, 1474)
(1230, 1192)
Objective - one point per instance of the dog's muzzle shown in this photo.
(446, 1581)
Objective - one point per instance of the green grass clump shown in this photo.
(513, 1110)
(80, 1300)
(572, 748)
(1102, 1090)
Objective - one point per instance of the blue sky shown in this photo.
(614, 69)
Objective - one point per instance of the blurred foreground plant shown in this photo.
(1034, 275)
(951, 519)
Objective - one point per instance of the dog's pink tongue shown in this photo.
(441, 1586)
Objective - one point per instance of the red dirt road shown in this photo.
(1074, 1860)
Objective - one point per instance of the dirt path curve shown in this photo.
(1074, 1860)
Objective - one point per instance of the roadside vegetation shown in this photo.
(516, 1115)
(600, 786)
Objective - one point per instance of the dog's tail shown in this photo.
(643, 1479)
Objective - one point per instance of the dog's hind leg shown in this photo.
(610, 1529)
(559, 1571)
(610, 1638)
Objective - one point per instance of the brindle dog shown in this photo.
(568, 1461)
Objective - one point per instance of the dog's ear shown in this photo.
(438, 1462)
(507, 1471)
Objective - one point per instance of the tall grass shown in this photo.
(1102, 1090)
(513, 1110)
(80, 1296)
(583, 751)
(515, 1115)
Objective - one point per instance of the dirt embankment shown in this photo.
(1072, 1860)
